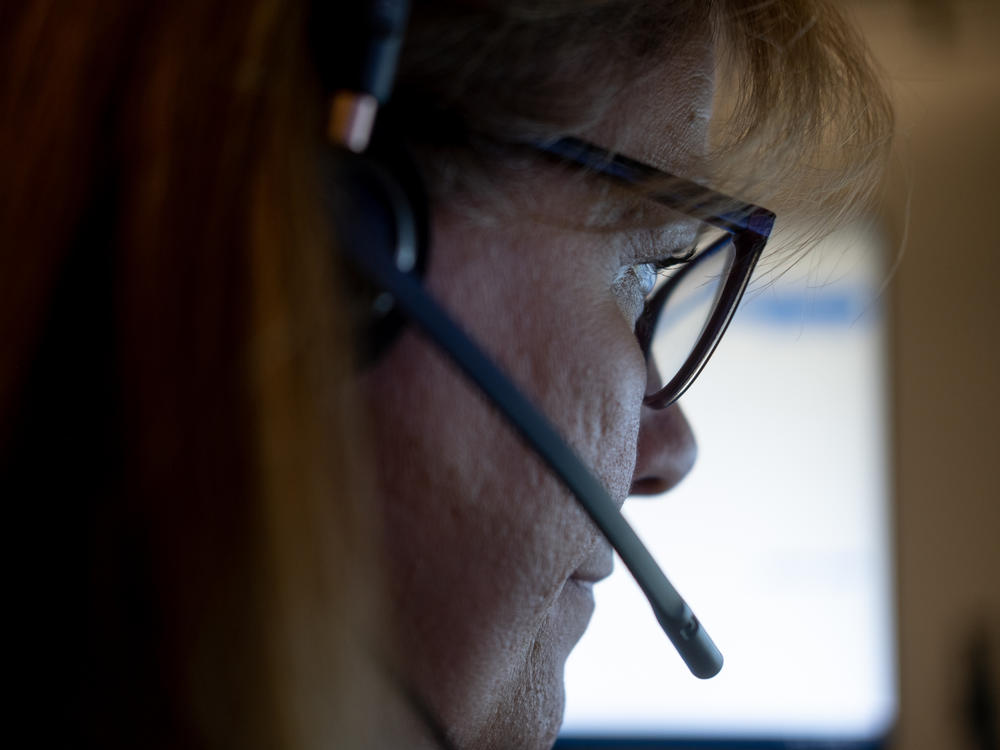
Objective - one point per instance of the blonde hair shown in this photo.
(177, 431)
(803, 124)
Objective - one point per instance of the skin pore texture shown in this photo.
(490, 560)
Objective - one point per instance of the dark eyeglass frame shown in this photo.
(747, 226)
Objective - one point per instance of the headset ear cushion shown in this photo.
(378, 206)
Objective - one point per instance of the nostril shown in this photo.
(666, 451)
(649, 486)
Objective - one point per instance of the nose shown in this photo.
(666, 451)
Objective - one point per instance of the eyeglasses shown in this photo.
(695, 295)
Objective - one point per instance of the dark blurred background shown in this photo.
(941, 59)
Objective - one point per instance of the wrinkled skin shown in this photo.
(490, 560)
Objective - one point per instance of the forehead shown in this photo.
(662, 117)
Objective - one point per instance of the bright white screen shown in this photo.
(779, 539)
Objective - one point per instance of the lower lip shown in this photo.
(566, 619)
(579, 598)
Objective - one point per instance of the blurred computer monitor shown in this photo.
(780, 539)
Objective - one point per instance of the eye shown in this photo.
(645, 274)
(635, 283)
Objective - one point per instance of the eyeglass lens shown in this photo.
(692, 294)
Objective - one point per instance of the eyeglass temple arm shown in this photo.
(687, 197)
(675, 617)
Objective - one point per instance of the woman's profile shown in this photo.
(241, 521)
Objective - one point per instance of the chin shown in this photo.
(529, 713)
(530, 718)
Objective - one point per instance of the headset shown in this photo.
(381, 218)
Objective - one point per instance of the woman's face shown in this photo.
(491, 561)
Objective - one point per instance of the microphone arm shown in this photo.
(675, 617)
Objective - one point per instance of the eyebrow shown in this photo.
(619, 208)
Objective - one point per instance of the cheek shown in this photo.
(604, 377)
(579, 359)
(544, 310)
(542, 303)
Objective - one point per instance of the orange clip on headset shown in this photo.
(376, 211)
